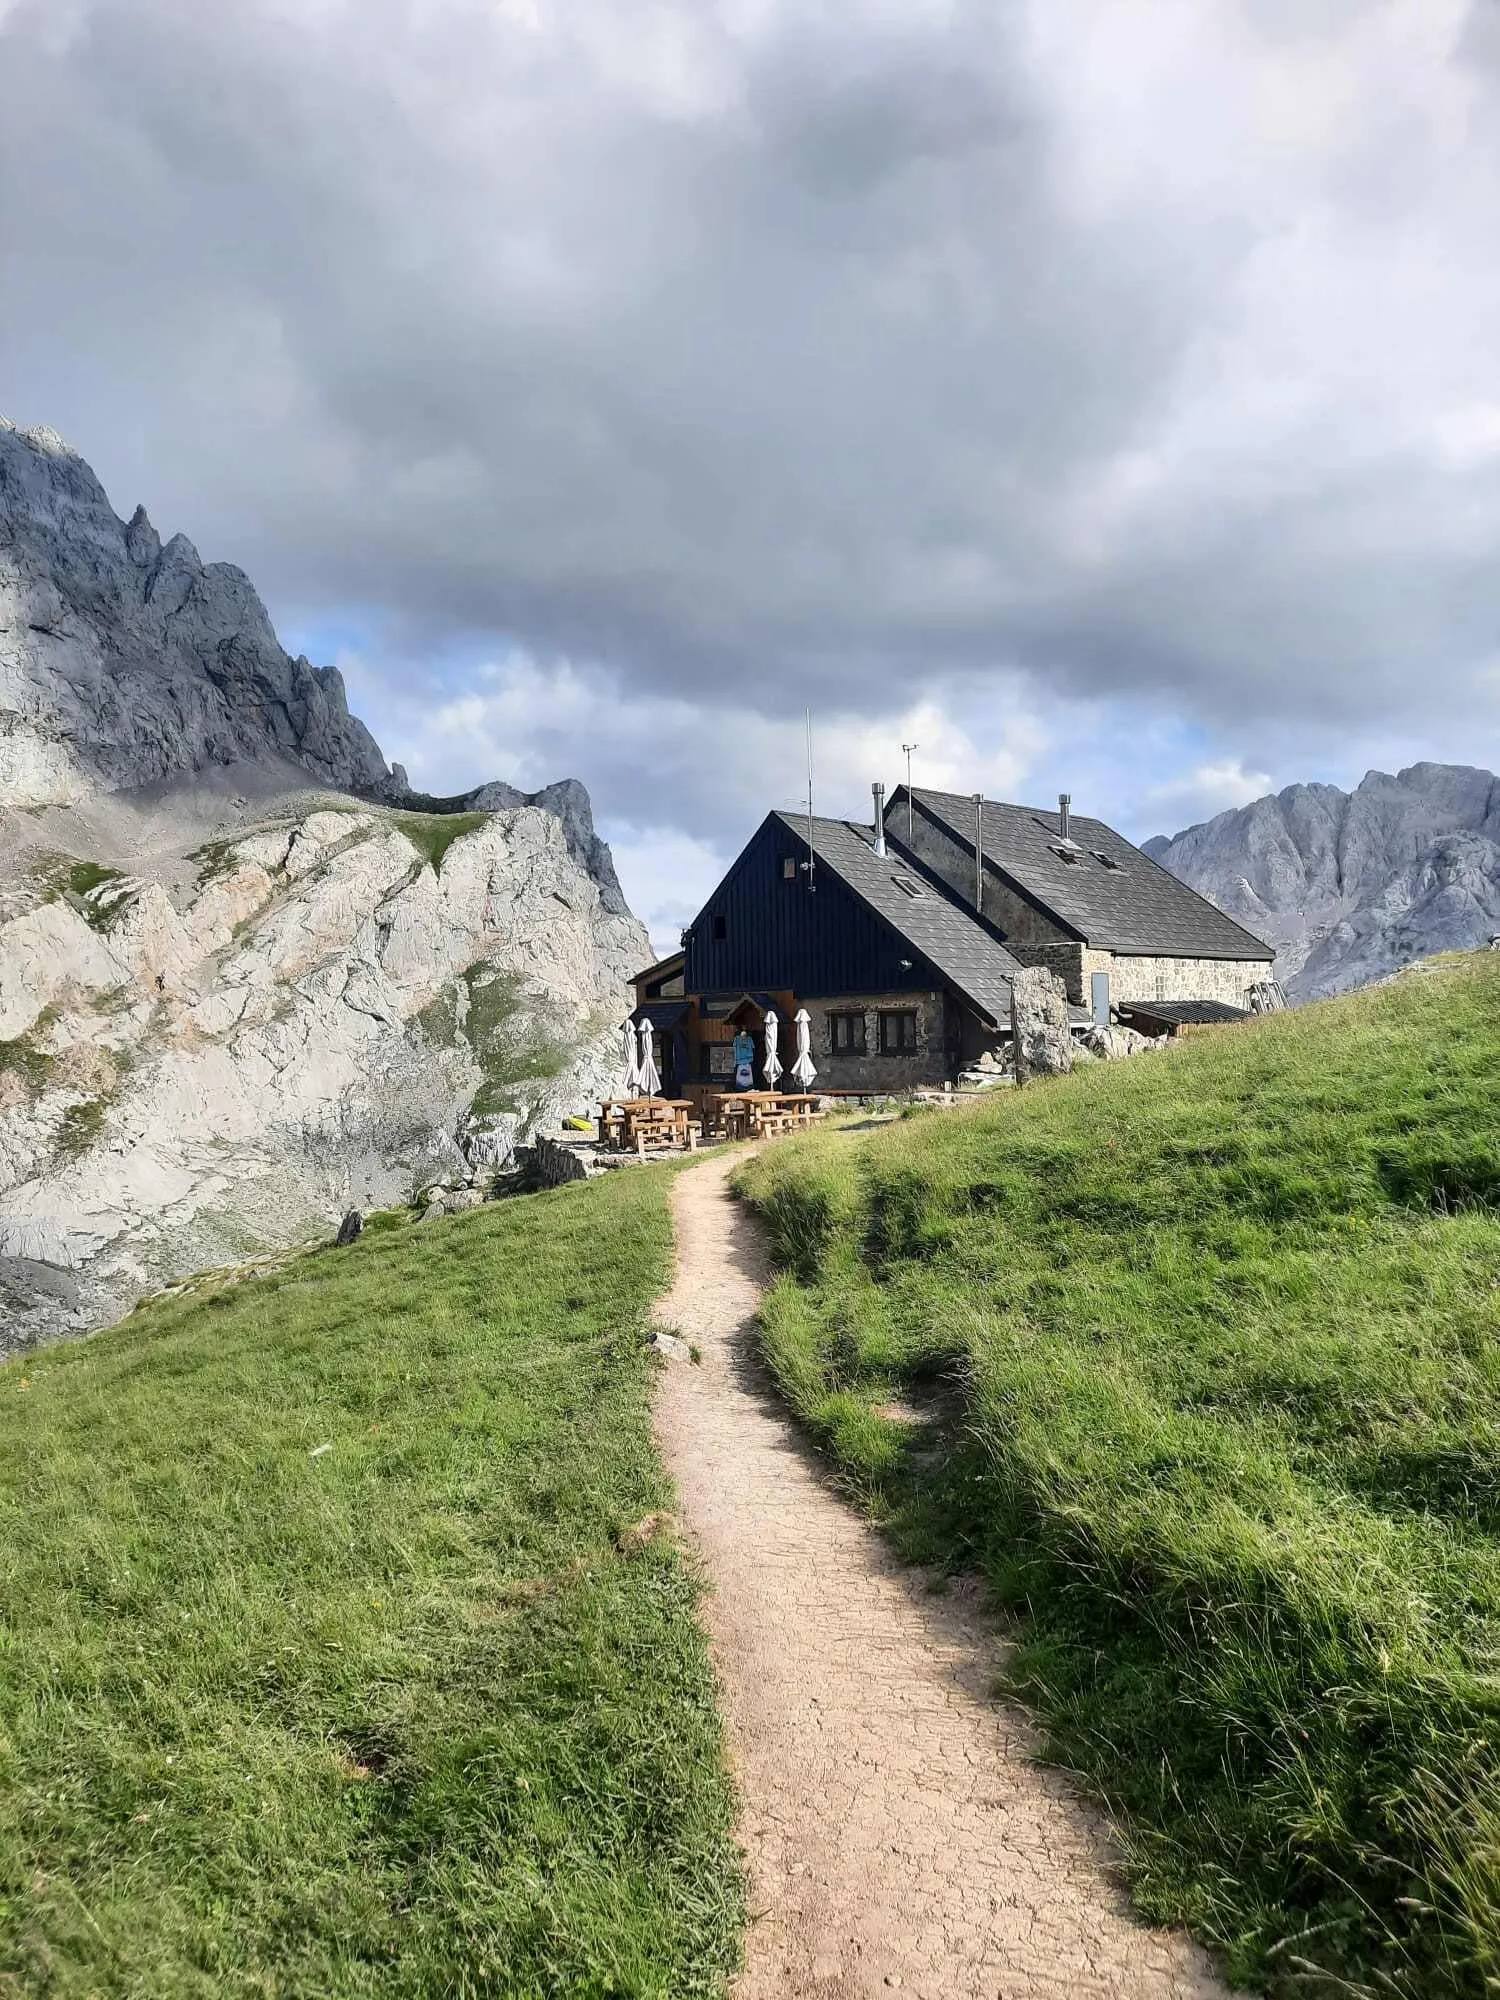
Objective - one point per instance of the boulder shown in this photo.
(1113, 1044)
(1040, 1032)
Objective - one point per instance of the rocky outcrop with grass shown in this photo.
(336, 1007)
(248, 980)
(1351, 886)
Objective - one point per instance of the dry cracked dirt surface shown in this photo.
(897, 1831)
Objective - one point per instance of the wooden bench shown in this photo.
(648, 1124)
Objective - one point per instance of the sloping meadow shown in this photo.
(1196, 1357)
(345, 1647)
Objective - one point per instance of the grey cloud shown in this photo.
(801, 355)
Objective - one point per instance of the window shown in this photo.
(898, 1034)
(789, 868)
(907, 886)
(847, 1034)
(720, 929)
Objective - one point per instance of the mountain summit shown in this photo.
(1350, 886)
(124, 660)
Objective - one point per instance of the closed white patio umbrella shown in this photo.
(771, 1067)
(648, 1082)
(632, 1081)
(802, 1068)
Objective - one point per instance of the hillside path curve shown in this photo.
(898, 1834)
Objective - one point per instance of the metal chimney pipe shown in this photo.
(878, 794)
(1064, 800)
(979, 852)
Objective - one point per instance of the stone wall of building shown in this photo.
(1072, 962)
(1143, 978)
(934, 1059)
(1137, 976)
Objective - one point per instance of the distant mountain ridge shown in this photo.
(1350, 886)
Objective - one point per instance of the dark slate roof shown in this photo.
(1134, 906)
(673, 962)
(1180, 1013)
(958, 948)
(661, 1013)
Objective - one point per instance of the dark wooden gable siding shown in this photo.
(779, 936)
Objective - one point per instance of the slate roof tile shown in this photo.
(959, 949)
(1113, 896)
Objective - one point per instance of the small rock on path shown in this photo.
(898, 1834)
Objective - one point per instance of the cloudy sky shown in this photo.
(1102, 394)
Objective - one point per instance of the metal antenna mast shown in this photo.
(908, 748)
(807, 714)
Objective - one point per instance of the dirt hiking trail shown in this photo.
(897, 1834)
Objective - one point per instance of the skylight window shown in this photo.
(907, 886)
(1104, 860)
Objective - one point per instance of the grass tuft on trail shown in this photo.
(1208, 1345)
(339, 1651)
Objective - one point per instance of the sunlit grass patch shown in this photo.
(1219, 1340)
(334, 1658)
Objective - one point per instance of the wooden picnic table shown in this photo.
(763, 1114)
(648, 1124)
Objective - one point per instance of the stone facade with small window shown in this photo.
(1138, 976)
(880, 1042)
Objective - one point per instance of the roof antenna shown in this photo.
(907, 748)
(811, 857)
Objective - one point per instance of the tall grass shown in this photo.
(339, 1651)
(1210, 1343)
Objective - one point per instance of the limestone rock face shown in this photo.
(241, 994)
(208, 1054)
(1041, 1037)
(570, 802)
(1350, 886)
(124, 661)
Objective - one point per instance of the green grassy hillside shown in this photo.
(341, 1652)
(1208, 1346)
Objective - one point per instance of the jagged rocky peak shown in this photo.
(1350, 886)
(124, 661)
